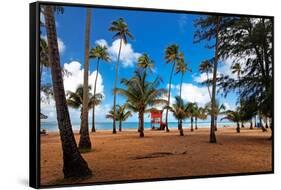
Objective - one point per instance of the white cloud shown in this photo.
(127, 57)
(182, 22)
(193, 93)
(60, 44)
(201, 77)
(71, 82)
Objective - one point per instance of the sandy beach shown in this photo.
(125, 156)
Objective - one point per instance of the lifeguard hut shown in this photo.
(156, 119)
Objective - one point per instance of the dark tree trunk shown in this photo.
(180, 127)
(120, 126)
(216, 128)
(191, 124)
(141, 119)
(73, 163)
(85, 142)
(242, 124)
(95, 88)
(214, 84)
(266, 125)
(261, 124)
(196, 123)
(238, 128)
(251, 124)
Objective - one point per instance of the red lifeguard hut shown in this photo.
(156, 118)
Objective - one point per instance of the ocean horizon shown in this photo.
(53, 127)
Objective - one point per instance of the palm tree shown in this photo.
(179, 109)
(73, 163)
(171, 56)
(191, 112)
(182, 68)
(236, 69)
(85, 142)
(140, 94)
(200, 114)
(75, 100)
(121, 114)
(207, 67)
(219, 109)
(145, 62)
(121, 30)
(100, 53)
(233, 116)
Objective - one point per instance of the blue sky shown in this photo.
(153, 32)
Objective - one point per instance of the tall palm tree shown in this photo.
(100, 53)
(207, 67)
(122, 33)
(75, 100)
(145, 62)
(233, 116)
(171, 56)
(85, 142)
(121, 114)
(191, 112)
(236, 69)
(73, 163)
(140, 94)
(182, 68)
(179, 109)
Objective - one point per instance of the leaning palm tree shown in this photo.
(122, 33)
(179, 109)
(75, 100)
(145, 62)
(171, 56)
(74, 166)
(85, 142)
(140, 94)
(191, 112)
(233, 116)
(207, 67)
(100, 53)
(182, 68)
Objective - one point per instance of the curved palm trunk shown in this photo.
(95, 87)
(213, 101)
(180, 127)
(191, 124)
(169, 94)
(85, 142)
(181, 84)
(115, 86)
(238, 128)
(73, 163)
(141, 119)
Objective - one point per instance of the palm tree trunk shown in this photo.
(169, 94)
(191, 124)
(95, 87)
(213, 102)
(216, 118)
(73, 163)
(120, 126)
(180, 128)
(181, 84)
(81, 120)
(85, 142)
(196, 123)
(238, 128)
(115, 86)
(266, 125)
(261, 124)
(251, 124)
(208, 86)
(141, 119)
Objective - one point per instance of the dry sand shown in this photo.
(125, 156)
